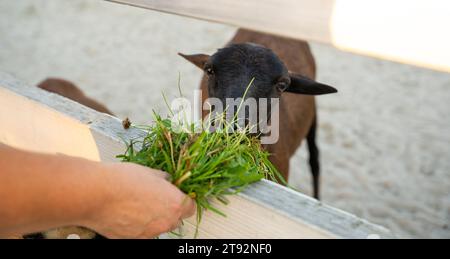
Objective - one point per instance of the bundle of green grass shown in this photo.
(203, 164)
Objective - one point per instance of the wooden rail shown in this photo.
(37, 120)
(409, 31)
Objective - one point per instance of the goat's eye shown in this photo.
(282, 86)
(209, 70)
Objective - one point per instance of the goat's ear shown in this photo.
(198, 60)
(303, 85)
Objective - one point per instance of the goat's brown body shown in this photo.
(71, 91)
(297, 111)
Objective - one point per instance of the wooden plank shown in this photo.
(408, 31)
(305, 19)
(37, 120)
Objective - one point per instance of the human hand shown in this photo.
(140, 203)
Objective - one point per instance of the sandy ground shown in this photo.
(385, 138)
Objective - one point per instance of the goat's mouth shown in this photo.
(267, 131)
(236, 124)
(251, 116)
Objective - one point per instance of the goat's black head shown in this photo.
(231, 69)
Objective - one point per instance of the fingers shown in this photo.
(142, 169)
(161, 174)
(176, 225)
(188, 207)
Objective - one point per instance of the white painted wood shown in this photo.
(306, 19)
(409, 31)
(37, 120)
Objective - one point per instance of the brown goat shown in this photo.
(298, 119)
(71, 91)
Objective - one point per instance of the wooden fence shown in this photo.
(410, 31)
(37, 120)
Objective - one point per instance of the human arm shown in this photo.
(118, 200)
